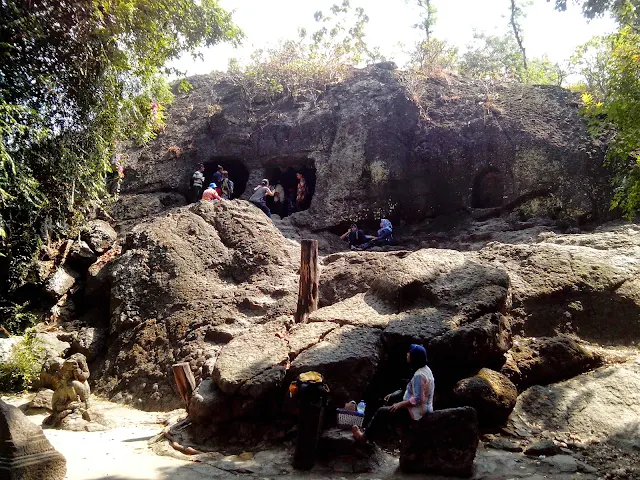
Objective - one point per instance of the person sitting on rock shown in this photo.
(259, 196)
(416, 402)
(354, 236)
(211, 193)
(384, 237)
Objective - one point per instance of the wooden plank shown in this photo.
(309, 279)
(184, 380)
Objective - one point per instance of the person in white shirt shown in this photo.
(197, 183)
(415, 403)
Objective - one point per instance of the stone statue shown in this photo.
(72, 392)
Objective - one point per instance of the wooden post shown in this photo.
(309, 277)
(184, 380)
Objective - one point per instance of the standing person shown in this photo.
(217, 177)
(354, 236)
(259, 197)
(197, 182)
(279, 200)
(211, 193)
(227, 186)
(302, 193)
(384, 237)
(416, 402)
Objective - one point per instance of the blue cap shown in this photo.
(418, 349)
(212, 185)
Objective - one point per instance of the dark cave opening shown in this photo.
(238, 172)
(286, 177)
(488, 189)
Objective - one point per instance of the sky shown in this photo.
(266, 22)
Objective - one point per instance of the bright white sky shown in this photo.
(265, 22)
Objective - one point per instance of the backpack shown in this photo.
(227, 187)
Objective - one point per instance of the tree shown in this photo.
(303, 69)
(75, 76)
(612, 103)
(610, 67)
(514, 20)
(430, 53)
(492, 57)
(627, 12)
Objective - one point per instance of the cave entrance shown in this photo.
(488, 189)
(238, 173)
(285, 174)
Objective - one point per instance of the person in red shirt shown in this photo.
(211, 193)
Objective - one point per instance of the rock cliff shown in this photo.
(370, 151)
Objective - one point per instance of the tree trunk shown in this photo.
(184, 380)
(309, 277)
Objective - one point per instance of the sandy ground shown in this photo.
(126, 453)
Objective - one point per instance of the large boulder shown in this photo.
(586, 286)
(99, 235)
(25, 453)
(61, 281)
(247, 363)
(540, 361)
(491, 394)
(180, 277)
(81, 255)
(441, 299)
(603, 405)
(208, 404)
(90, 342)
(443, 442)
(347, 358)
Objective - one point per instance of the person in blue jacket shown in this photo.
(384, 237)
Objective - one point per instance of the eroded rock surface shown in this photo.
(181, 275)
(526, 146)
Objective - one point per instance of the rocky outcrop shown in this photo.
(539, 361)
(586, 285)
(187, 283)
(99, 235)
(25, 453)
(443, 442)
(491, 394)
(603, 405)
(373, 153)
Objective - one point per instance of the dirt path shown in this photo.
(126, 453)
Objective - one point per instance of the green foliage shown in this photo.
(184, 86)
(18, 317)
(431, 54)
(493, 57)
(304, 68)
(627, 12)
(23, 367)
(75, 76)
(612, 104)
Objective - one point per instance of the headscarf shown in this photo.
(386, 224)
(417, 356)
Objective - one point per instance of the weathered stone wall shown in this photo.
(377, 154)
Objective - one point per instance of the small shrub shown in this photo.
(214, 110)
(184, 86)
(174, 150)
(23, 368)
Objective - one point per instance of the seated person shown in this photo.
(211, 193)
(416, 402)
(384, 237)
(354, 236)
